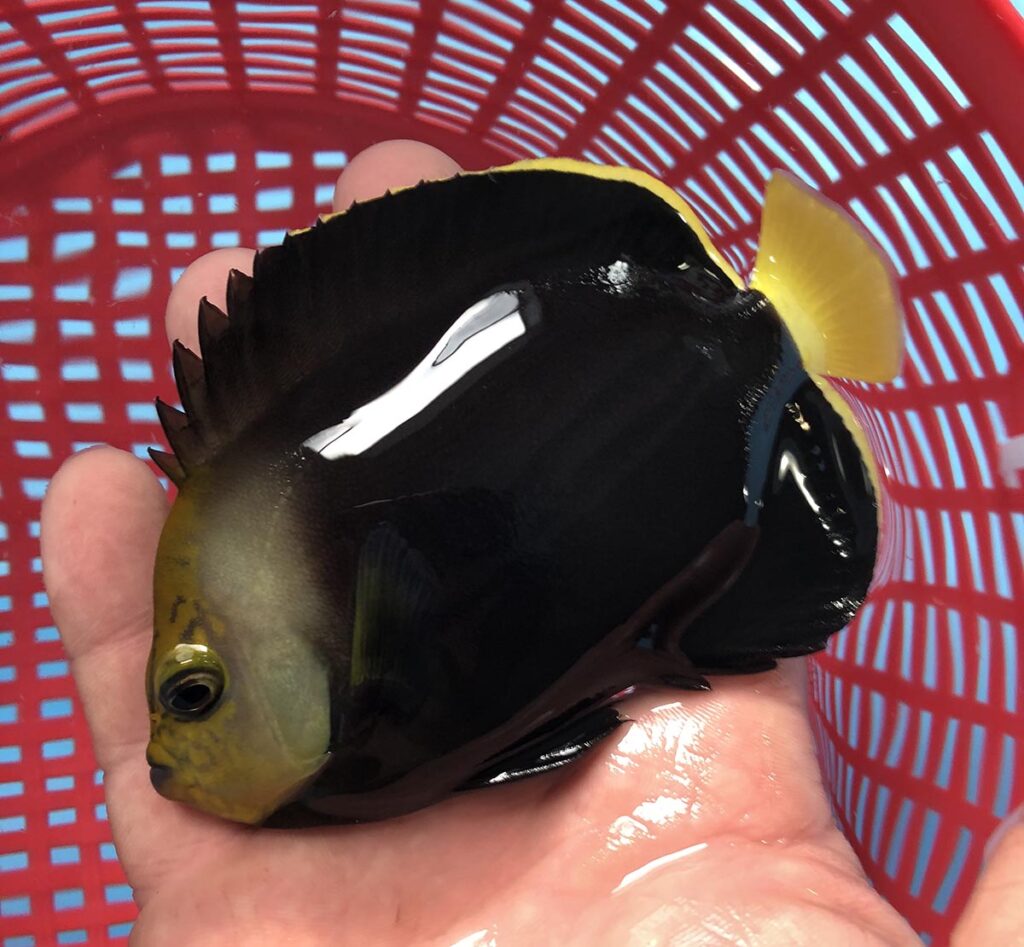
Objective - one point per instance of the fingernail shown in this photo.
(1004, 828)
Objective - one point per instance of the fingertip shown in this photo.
(113, 462)
(80, 474)
(100, 521)
(205, 276)
(389, 165)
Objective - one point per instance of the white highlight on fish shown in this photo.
(481, 331)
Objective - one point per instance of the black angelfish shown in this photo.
(468, 460)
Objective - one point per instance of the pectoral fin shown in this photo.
(396, 591)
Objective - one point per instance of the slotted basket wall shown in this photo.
(137, 135)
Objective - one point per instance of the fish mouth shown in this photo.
(159, 775)
(161, 768)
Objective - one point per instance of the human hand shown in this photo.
(702, 822)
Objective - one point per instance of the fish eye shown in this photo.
(192, 692)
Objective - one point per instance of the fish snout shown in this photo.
(159, 775)
(161, 767)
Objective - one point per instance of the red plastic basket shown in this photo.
(139, 134)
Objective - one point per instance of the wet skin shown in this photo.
(722, 788)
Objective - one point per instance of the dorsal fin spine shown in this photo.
(169, 464)
(212, 326)
(190, 377)
(239, 295)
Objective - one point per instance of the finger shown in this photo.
(390, 165)
(205, 276)
(101, 520)
(995, 912)
(387, 165)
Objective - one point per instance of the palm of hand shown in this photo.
(701, 821)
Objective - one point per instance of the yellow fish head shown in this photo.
(239, 699)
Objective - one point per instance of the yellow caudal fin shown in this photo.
(831, 285)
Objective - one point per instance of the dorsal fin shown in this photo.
(172, 420)
(212, 325)
(169, 464)
(363, 295)
(239, 294)
(213, 341)
(182, 435)
(190, 377)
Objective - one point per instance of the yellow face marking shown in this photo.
(268, 733)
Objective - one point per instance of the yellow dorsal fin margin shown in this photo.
(860, 437)
(609, 173)
(639, 178)
(831, 285)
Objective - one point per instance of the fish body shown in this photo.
(441, 503)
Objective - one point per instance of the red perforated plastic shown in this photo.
(139, 134)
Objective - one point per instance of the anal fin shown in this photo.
(549, 749)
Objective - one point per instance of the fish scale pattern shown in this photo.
(143, 133)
